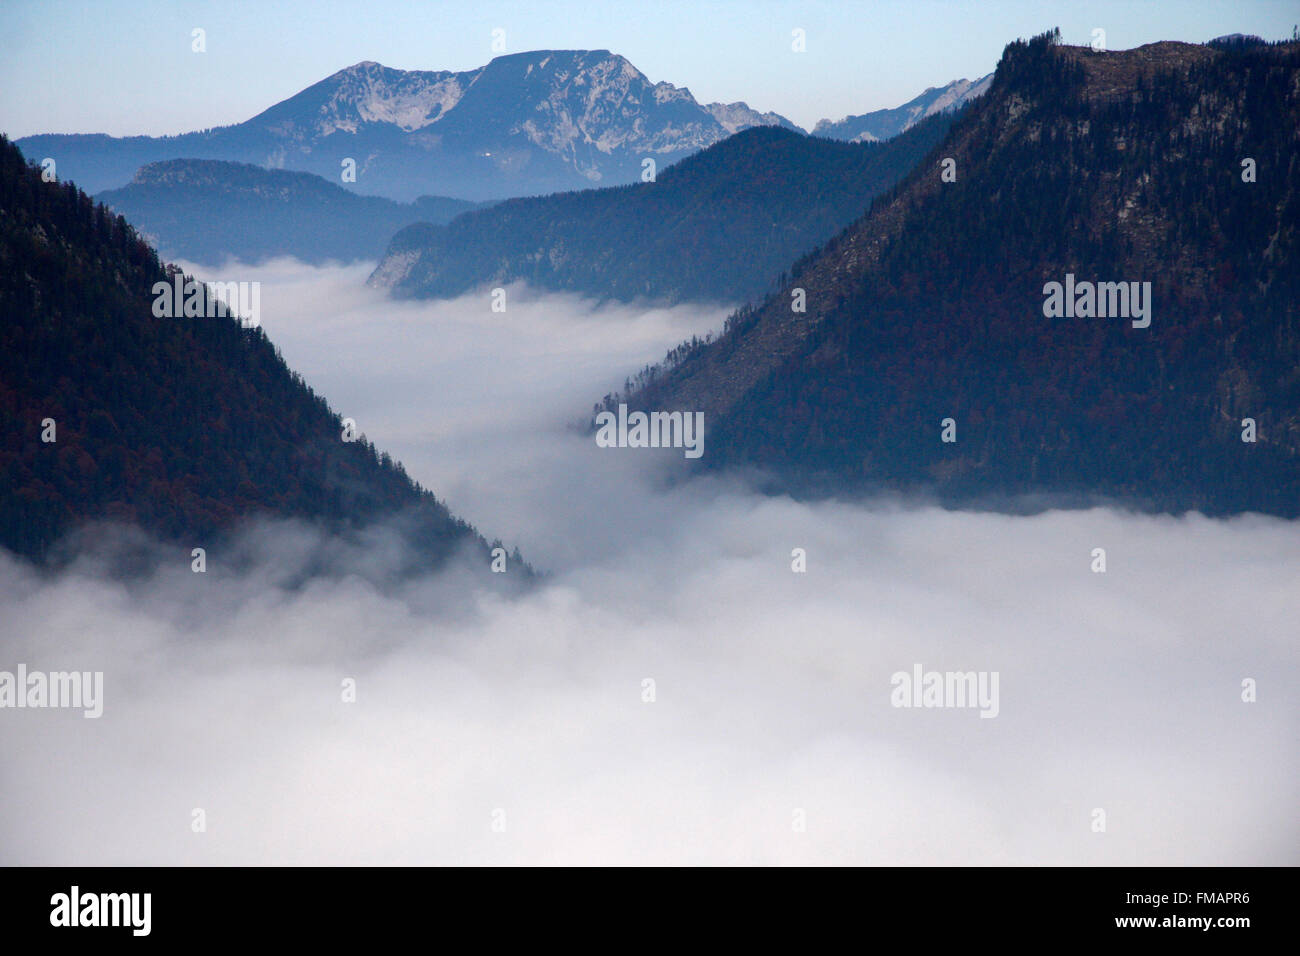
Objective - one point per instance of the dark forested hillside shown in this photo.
(719, 226)
(208, 211)
(1173, 164)
(179, 425)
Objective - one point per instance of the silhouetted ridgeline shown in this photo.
(719, 226)
(1173, 164)
(181, 426)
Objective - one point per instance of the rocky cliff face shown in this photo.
(527, 123)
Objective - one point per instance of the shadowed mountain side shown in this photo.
(1170, 168)
(182, 426)
(208, 211)
(716, 227)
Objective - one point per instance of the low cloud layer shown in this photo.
(489, 729)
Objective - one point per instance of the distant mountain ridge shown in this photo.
(718, 226)
(208, 211)
(523, 124)
(887, 123)
(736, 117)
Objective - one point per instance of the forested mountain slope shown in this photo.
(181, 426)
(719, 226)
(1172, 164)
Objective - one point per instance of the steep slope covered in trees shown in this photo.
(181, 426)
(1172, 164)
(718, 226)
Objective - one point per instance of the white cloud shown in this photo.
(222, 691)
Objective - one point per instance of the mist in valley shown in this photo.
(671, 691)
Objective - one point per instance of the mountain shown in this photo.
(524, 124)
(179, 426)
(736, 117)
(205, 210)
(883, 124)
(1172, 166)
(718, 226)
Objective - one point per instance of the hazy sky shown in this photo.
(127, 67)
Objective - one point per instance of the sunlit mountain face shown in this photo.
(524, 124)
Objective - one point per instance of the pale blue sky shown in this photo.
(123, 68)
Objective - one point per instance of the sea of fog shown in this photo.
(672, 692)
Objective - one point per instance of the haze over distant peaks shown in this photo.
(206, 210)
(525, 123)
(735, 117)
(883, 124)
(709, 229)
